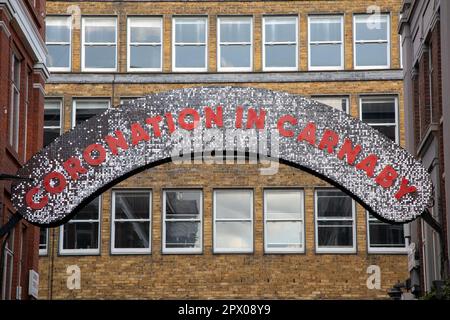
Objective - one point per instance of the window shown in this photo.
(233, 221)
(339, 103)
(371, 41)
(385, 237)
(326, 49)
(14, 109)
(144, 44)
(182, 229)
(87, 108)
(58, 40)
(190, 44)
(52, 120)
(81, 234)
(8, 266)
(99, 40)
(381, 113)
(235, 44)
(280, 43)
(131, 221)
(43, 241)
(125, 100)
(335, 222)
(283, 221)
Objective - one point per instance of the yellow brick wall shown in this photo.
(209, 275)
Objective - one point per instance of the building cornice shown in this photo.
(254, 77)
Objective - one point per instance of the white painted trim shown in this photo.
(251, 220)
(115, 250)
(301, 219)
(44, 252)
(166, 250)
(326, 68)
(160, 20)
(333, 250)
(40, 87)
(237, 69)
(203, 69)
(295, 18)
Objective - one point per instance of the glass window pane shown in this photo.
(182, 234)
(89, 212)
(381, 111)
(235, 31)
(280, 32)
(330, 30)
(371, 54)
(132, 234)
(388, 131)
(190, 56)
(190, 31)
(235, 56)
(50, 135)
(283, 204)
(100, 33)
(80, 235)
(335, 233)
(386, 235)
(372, 30)
(335, 102)
(183, 204)
(100, 57)
(57, 32)
(132, 205)
(233, 235)
(326, 55)
(145, 56)
(145, 30)
(280, 55)
(233, 204)
(284, 234)
(52, 116)
(339, 205)
(58, 55)
(84, 114)
(42, 238)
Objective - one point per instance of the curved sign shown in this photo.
(143, 133)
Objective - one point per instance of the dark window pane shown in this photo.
(381, 111)
(80, 235)
(132, 234)
(43, 238)
(182, 204)
(90, 211)
(339, 205)
(50, 135)
(389, 131)
(386, 235)
(84, 114)
(335, 233)
(182, 234)
(145, 56)
(132, 205)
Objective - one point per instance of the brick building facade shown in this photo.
(104, 52)
(426, 48)
(22, 77)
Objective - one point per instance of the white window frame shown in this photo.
(44, 252)
(85, 252)
(375, 125)
(166, 250)
(174, 44)
(219, 43)
(74, 107)
(8, 268)
(69, 25)
(388, 41)
(59, 101)
(115, 250)
(264, 43)
(14, 108)
(129, 43)
(251, 220)
(347, 99)
(84, 44)
(333, 250)
(323, 18)
(301, 219)
(382, 250)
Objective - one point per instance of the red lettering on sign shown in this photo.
(115, 143)
(329, 141)
(211, 117)
(239, 116)
(348, 150)
(138, 134)
(182, 118)
(308, 134)
(368, 164)
(280, 125)
(73, 167)
(170, 122)
(154, 122)
(254, 119)
(404, 189)
(59, 186)
(386, 177)
(98, 148)
(29, 199)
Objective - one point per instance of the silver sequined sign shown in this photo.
(108, 148)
